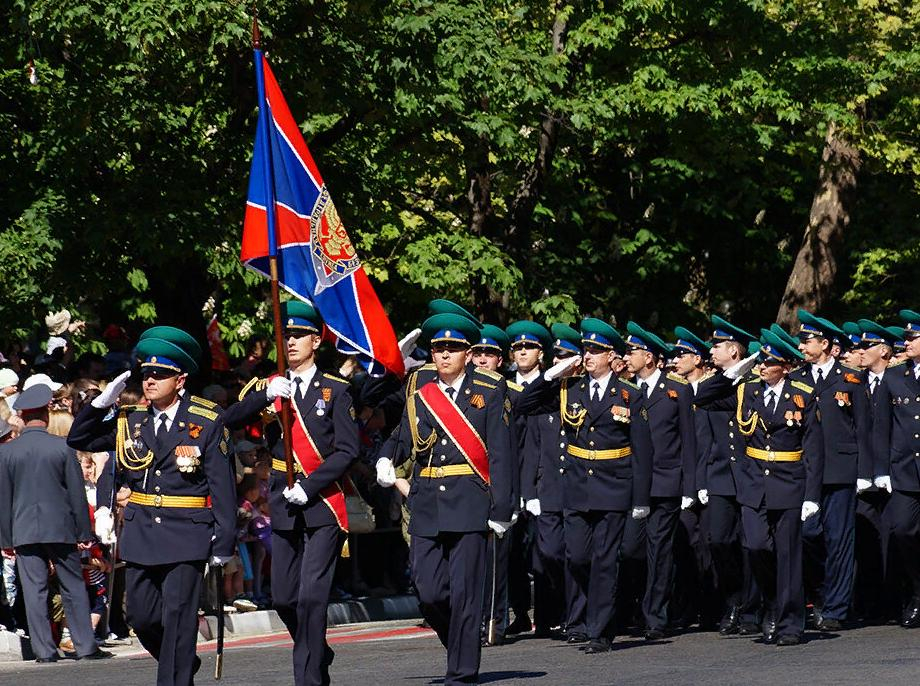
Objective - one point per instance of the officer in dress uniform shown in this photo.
(717, 490)
(605, 448)
(309, 519)
(846, 418)
(897, 435)
(173, 456)
(668, 402)
(489, 353)
(43, 516)
(457, 429)
(779, 482)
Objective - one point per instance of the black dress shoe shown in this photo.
(47, 660)
(98, 655)
(546, 632)
(911, 617)
(520, 625)
(598, 645)
(576, 637)
(789, 640)
(826, 624)
(769, 630)
(654, 634)
(730, 623)
(748, 629)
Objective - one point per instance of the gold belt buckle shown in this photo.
(592, 454)
(439, 472)
(157, 501)
(771, 455)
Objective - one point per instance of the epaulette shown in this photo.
(198, 400)
(428, 366)
(708, 375)
(202, 412)
(515, 386)
(479, 382)
(629, 383)
(897, 364)
(131, 408)
(255, 383)
(802, 386)
(678, 378)
(333, 377)
(489, 373)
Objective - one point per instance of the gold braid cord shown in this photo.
(574, 419)
(746, 427)
(419, 445)
(124, 447)
(255, 383)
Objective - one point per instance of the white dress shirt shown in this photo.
(650, 382)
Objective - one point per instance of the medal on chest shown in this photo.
(187, 458)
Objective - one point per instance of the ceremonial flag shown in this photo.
(290, 215)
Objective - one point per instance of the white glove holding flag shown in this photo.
(111, 392)
(279, 387)
(104, 525)
(295, 495)
(386, 473)
(560, 368)
(809, 509)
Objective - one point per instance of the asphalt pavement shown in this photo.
(399, 653)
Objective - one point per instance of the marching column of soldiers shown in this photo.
(747, 484)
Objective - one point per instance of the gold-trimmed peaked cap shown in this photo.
(169, 348)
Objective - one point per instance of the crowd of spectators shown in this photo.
(377, 562)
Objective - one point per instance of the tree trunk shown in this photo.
(812, 278)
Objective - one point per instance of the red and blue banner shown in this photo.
(290, 216)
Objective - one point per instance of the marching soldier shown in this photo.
(717, 490)
(173, 456)
(457, 429)
(896, 433)
(846, 418)
(43, 516)
(309, 519)
(557, 601)
(779, 480)
(668, 408)
(605, 449)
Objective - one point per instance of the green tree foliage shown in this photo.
(647, 159)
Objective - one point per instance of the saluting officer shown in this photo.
(897, 434)
(606, 454)
(309, 519)
(779, 480)
(43, 516)
(173, 455)
(668, 407)
(457, 429)
(846, 423)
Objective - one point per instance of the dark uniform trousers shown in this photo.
(449, 513)
(830, 536)
(876, 592)
(552, 593)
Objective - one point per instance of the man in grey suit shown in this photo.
(43, 516)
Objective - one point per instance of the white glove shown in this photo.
(295, 495)
(407, 344)
(883, 482)
(686, 503)
(741, 368)
(809, 509)
(386, 474)
(219, 560)
(560, 368)
(499, 527)
(863, 485)
(703, 496)
(105, 525)
(279, 387)
(108, 396)
(533, 507)
(641, 512)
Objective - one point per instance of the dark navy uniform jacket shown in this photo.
(166, 535)
(462, 503)
(897, 427)
(774, 485)
(544, 463)
(519, 446)
(42, 499)
(879, 460)
(704, 447)
(606, 485)
(846, 422)
(673, 430)
(331, 423)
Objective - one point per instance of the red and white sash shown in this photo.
(458, 427)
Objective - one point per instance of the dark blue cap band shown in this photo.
(161, 362)
(636, 342)
(567, 345)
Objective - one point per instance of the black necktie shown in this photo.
(450, 390)
(298, 394)
(771, 404)
(161, 429)
(596, 392)
(820, 375)
(873, 386)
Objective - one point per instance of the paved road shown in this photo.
(402, 655)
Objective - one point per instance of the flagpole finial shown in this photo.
(256, 33)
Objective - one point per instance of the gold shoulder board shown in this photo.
(489, 373)
(678, 378)
(198, 400)
(335, 378)
(629, 383)
(515, 386)
(803, 386)
(202, 412)
(477, 382)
